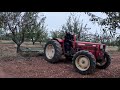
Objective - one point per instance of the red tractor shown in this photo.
(86, 56)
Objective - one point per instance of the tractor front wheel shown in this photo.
(105, 62)
(84, 62)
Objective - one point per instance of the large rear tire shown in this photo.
(103, 64)
(84, 62)
(52, 51)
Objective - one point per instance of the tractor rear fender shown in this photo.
(61, 41)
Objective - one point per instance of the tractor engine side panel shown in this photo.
(94, 49)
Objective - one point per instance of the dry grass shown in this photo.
(111, 48)
(7, 50)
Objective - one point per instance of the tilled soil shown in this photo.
(16, 66)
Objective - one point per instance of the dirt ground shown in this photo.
(13, 65)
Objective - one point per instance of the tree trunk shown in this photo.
(40, 42)
(18, 48)
(33, 43)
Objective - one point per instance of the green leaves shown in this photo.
(35, 30)
(57, 34)
(21, 23)
(73, 25)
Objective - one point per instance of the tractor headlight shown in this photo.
(101, 47)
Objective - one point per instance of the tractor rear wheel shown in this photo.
(103, 64)
(53, 51)
(84, 62)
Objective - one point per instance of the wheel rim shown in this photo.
(50, 51)
(82, 63)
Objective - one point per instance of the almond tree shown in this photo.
(36, 31)
(18, 23)
(73, 25)
(110, 23)
(77, 27)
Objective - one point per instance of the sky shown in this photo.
(54, 20)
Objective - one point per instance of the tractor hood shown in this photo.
(90, 45)
(79, 43)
